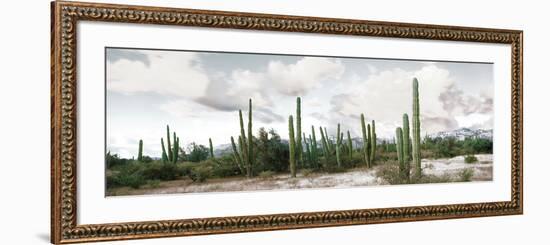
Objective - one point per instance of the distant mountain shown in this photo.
(463, 133)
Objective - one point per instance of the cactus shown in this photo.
(372, 138)
(242, 144)
(308, 156)
(330, 144)
(299, 149)
(164, 155)
(338, 146)
(292, 147)
(236, 155)
(406, 145)
(400, 154)
(313, 141)
(211, 148)
(369, 146)
(416, 130)
(176, 148)
(366, 152)
(169, 148)
(350, 146)
(140, 151)
(250, 143)
(325, 144)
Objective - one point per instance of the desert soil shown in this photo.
(450, 167)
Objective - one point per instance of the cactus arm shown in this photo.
(169, 145)
(365, 140)
(164, 155)
(211, 148)
(292, 146)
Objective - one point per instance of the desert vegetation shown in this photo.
(261, 159)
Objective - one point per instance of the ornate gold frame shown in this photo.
(65, 15)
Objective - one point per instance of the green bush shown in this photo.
(160, 171)
(466, 175)
(266, 174)
(129, 175)
(470, 159)
(200, 173)
(307, 172)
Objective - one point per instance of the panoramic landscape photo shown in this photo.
(195, 121)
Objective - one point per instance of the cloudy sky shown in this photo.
(199, 94)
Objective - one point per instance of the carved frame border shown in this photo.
(65, 16)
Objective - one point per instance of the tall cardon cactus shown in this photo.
(211, 148)
(292, 147)
(299, 149)
(350, 146)
(338, 142)
(416, 130)
(406, 146)
(140, 151)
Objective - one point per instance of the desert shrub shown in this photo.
(130, 175)
(271, 152)
(466, 175)
(307, 172)
(196, 152)
(160, 171)
(200, 173)
(390, 173)
(266, 174)
(335, 169)
(225, 170)
(113, 160)
(470, 159)
(153, 183)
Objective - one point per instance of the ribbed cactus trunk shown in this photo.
(350, 146)
(169, 145)
(308, 156)
(292, 147)
(299, 149)
(330, 144)
(242, 144)
(366, 152)
(325, 144)
(406, 145)
(211, 148)
(140, 151)
(237, 156)
(400, 155)
(338, 141)
(250, 138)
(416, 130)
(176, 149)
(164, 155)
(372, 143)
(314, 147)
(369, 146)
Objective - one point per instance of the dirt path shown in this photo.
(482, 171)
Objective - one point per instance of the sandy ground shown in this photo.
(482, 171)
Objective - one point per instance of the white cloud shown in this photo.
(168, 73)
(304, 75)
(385, 96)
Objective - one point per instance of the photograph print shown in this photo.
(201, 121)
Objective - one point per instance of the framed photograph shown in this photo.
(176, 122)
